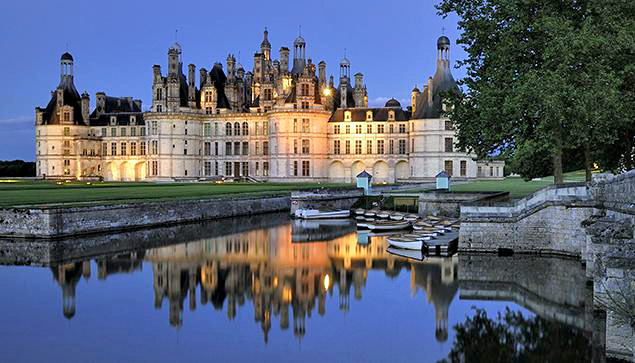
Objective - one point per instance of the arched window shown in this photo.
(228, 129)
(245, 128)
(236, 128)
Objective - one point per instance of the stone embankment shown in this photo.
(62, 221)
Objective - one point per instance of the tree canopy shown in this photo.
(17, 168)
(549, 82)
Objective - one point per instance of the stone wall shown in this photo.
(447, 203)
(324, 199)
(66, 221)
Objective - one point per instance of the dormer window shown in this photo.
(391, 115)
(347, 116)
(133, 120)
(113, 120)
(369, 115)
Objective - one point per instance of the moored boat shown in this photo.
(388, 225)
(396, 216)
(383, 214)
(322, 214)
(359, 211)
(369, 213)
(406, 243)
(413, 254)
(411, 217)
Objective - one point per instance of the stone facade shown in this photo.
(281, 121)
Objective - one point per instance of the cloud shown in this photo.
(17, 120)
(381, 101)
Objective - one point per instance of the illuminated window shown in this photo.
(142, 148)
(380, 146)
(336, 129)
(113, 149)
(358, 129)
(369, 146)
(347, 147)
(380, 129)
(245, 128)
(133, 148)
(336, 147)
(123, 148)
(347, 116)
(402, 128)
(67, 131)
(358, 146)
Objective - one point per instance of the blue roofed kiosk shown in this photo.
(443, 180)
(363, 181)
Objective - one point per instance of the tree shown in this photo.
(17, 168)
(514, 338)
(545, 78)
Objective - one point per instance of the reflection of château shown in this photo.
(281, 278)
(278, 276)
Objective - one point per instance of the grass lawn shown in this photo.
(50, 193)
(516, 186)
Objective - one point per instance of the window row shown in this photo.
(380, 147)
(380, 129)
(123, 150)
(123, 131)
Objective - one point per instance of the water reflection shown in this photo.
(280, 277)
(287, 271)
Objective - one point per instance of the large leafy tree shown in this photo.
(546, 78)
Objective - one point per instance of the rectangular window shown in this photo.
(295, 168)
(207, 130)
(380, 129)
(216, 148)
(123, 148)
(155, 147)
(358, 146)
(113, 132)
(67, 131)
(123, 131)
(245, 148)
(207, 149)
(391, 146)
(402, 146)
(155, 167)
(305, 146)
(305, 168)
(463, 168)
(133, 148)
(245, 166)
(369, 146)
(306, 127)
(265, 148)
(265, 128)
(369, 128)
(348, 129)
(207, 168)
(336, 129)
(104, 132)
(257, 148)
(358, 129)
(347, 147)
(113, 149)
(295, 125)
(216, 168)
(295, 146)
(237, 148)
(402, 128)
(184, 151)
(448, 125)
(265, 168)
(380, 146)
(228, 148)
(154, 130)
(142, 131)
(336, 147)
(448, 167)
(228, 168)
(449, 145)
(133, 131)
(104, 149)
(142, 148)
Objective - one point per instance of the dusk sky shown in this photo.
(115, 44)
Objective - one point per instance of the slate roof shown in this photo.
(120, 107)
(379, 114)
(364, 174)
(71, 98)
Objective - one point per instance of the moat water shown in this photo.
(270, 289)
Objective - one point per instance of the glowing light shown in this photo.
(327, 282)
(275, 282)
(327, 92)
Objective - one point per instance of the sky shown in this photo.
(115, 43)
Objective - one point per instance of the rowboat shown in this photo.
(396, 216)
(420, 237)
(383, 214)
(360, 218)
(318, 214)
(415, 255)
(369, 213)
(406, 243)
(411, 217)
(359, 212)
(388, 225)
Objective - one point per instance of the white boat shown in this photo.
(411, 218)
(388, 225)
(318, 214)
(419, 237)
(416, 255)
(405, 243)
(369, 219)
(396, 216)
(360, 218)
(361, 224)
(369, 213)
(383, 214)
(359, 212)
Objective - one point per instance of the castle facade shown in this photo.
(282, 121)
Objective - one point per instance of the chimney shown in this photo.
(85, 107)
(203, 74)
(322, 73)
(101, 103)
(284, 60)
(156, 70)
(430, 90)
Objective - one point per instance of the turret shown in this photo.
(299, 55)
(85, 107)
(66, 67)
(265, 46)
(231, 64)
(345, 69)
(156, 73)
(203, 77)
(174, 61)
(284, 60)
(359, 93)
